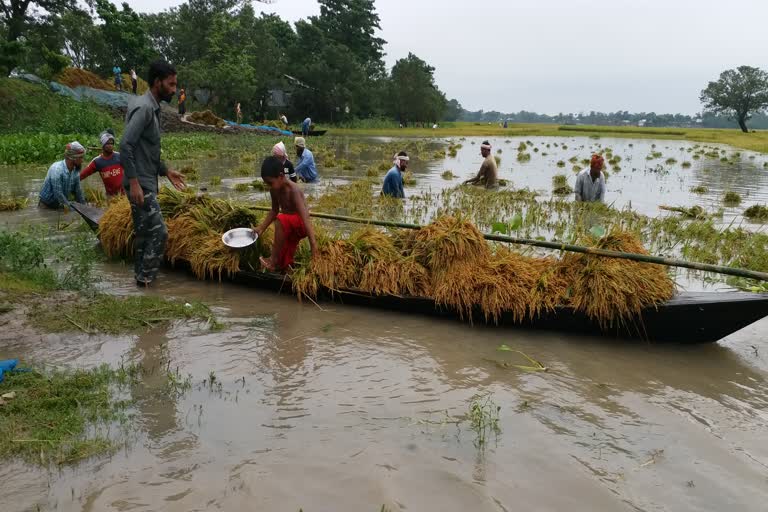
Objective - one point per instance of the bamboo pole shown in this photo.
(644, 258)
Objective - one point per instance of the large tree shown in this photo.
(414, 97)
(738, 93)
(124, 35)
(17, 18)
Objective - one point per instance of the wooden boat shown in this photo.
(687, 318)
(312, 133)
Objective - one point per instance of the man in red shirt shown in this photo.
(108, 165)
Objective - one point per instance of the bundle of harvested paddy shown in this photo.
(611, 291)
(185, 235)
(8, 204)
(211, 258)
(116, 229)
(448, 240)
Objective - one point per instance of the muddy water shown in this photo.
(348, 409)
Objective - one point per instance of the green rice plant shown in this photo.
(448, 175)
(259, 185)
(670, 161)
(699, 189)
(577, 168)
(521, 147)
(757, 212)
(523, 157)
(499, 151)
(243, 172)
(372, 172)
(731, 198)
(686, 165)
(498, 159)
(242, 187)
(215, 180)
(8, 203)
(483, 417)
(560, 163)
(409, 180)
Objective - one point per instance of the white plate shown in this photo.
(239, 237)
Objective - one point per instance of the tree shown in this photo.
(353, 23)
(17, 17)
(453, 111)
(124, 35)
(83, 43)
(413, 93)
(738, 93)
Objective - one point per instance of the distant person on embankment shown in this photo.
(63, 179)
(134, 81)
(279, 151)
(289, 208)
(590, 183)
(182, 102)
(305, 167)
(238, 114)
(118, 78)
(108, 165)
(140, 150)
(305, 126)
(488, 174)
(284, 120)
(393, 181)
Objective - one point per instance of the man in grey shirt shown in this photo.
(590, 183)
(140, 154)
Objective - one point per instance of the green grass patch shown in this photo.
(116, 315)
(63, 416)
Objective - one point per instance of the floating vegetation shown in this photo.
(409, 180)
(347, 165)
(190, 173)
(699, 189)
(670, 161)
(8, 203)
(260, 185)
(215, 180)
(523, 157)
(448, 175)
(694, 212)
(757, 212)
(686, 165)
(499, 151)
(535, 150)
(438, 155)
(242, 187)
(385, 166)
(731, 198)
(560, 163)
(577, 168)
(243, 172)
(521, 147)
(503, 183)
(498, 159)
(655, 155)
(372, 172)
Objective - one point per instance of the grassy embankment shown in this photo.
(757, 141)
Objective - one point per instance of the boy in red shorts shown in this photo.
(290, 210)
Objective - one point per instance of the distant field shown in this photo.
(757, 141)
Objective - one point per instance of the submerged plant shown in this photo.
(699, 189)
(757, 212)
(731, 198)
(483, 417)
(242, 187)
(12, 203)
(448, 175)
(215, 180)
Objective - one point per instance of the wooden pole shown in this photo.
(644, 258)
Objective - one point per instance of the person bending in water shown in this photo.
(489, 173)
(290, 209)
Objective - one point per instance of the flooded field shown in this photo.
(334, 408)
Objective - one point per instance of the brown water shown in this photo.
(343, 409)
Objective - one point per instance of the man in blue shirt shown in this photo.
(305, 126)
(393, 181)
(305, 166)
(63, 179)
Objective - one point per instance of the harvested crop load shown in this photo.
(448, 261)
(206, 117)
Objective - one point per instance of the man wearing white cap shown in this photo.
(108, 165)
(305, 167)
(393, 181)
(63, 179)
(488, 174)
(279, 151)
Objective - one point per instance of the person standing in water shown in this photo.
(488, 174)
(590, 183)
(142, 165)
(108, 165)
(393, 181)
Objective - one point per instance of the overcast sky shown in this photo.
(553, 56)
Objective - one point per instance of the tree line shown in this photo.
(331, 65)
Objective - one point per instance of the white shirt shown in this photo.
(589, 190)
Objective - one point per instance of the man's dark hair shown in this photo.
(486, 143)
(272, 167)
(402, 153)
(159, 70)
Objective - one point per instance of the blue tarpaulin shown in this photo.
(260, 127)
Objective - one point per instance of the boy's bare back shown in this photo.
(288, 197)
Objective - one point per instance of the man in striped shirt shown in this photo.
(63, 179)
(108, 165)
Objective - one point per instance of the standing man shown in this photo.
(284, 120)
(393, 181)
(488, 174)
(590, 183)
(182, 102)
(305, 125)
(305, 167)
(118, 78)
(63, 179)
(134, 81)
(108, 165)
(140, 150)
(279, 151)
(238, 114)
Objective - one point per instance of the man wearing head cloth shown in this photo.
(590, 183)
(305, 167)
(63, 179)
(108, 165)
(393, 181)
(279, 151)
(488, 174)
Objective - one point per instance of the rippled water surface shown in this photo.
(349, 409)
